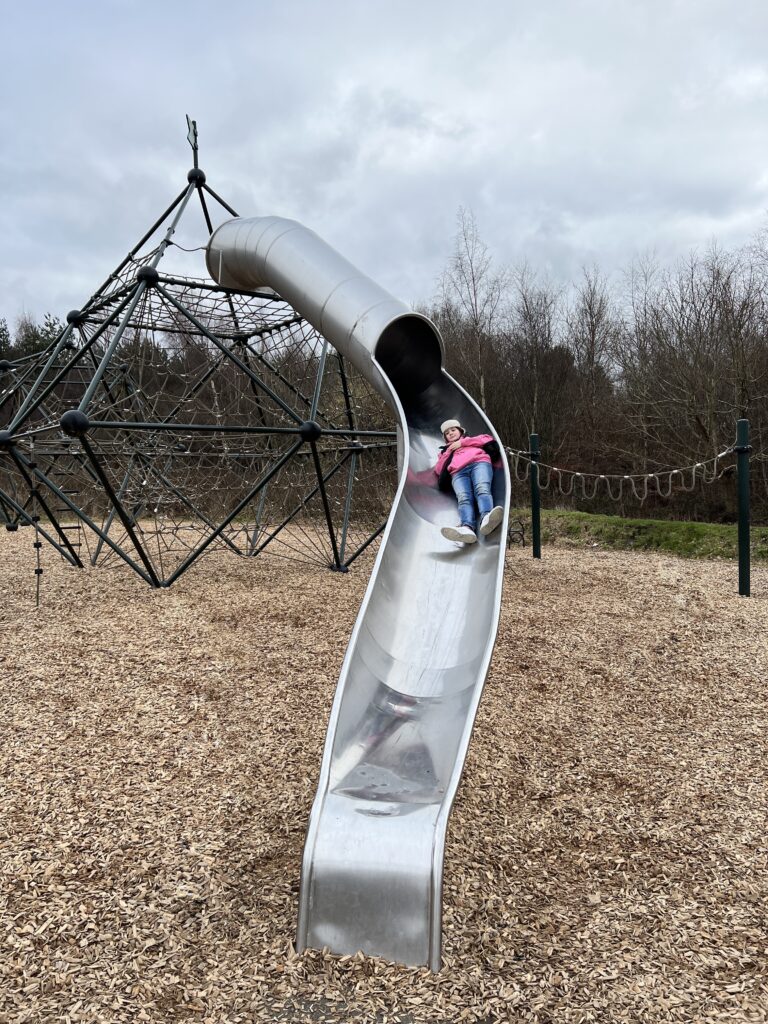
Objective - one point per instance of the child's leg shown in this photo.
(462, 488)
(482, 476)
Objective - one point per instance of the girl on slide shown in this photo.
(465, 466)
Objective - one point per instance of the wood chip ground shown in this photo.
(607, 854)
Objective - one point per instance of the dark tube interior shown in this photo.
(409, 353)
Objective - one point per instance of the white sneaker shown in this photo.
(459, 534)
(491, 520)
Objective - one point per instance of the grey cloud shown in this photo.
(578, 132)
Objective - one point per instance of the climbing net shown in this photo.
(172, 417)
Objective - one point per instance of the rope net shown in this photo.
(195, 397)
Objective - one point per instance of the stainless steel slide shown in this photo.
(419, 652)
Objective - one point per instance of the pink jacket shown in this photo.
(471, 451)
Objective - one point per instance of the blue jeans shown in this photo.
(470, 484)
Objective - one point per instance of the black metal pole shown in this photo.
(113, 510)
(14, 390)
(4, 510)
(345, 391)
(253, 540)
(319, 381)
(141, 286)
(185, 501)
(125, 519)
(183, 428)
(61, 374)
(223, 348)
(535, 496)
(179, 198)
(218, 199)
(85, 401)
(348, 504)
(742, 449)
(302, 504)
(354, 432)
(89, 522)
(227, 429)
(327, 509)
(35, 493)
(206, 215)
(248, 498)
(362, 547)
(42, 375)
(210, 286)
(21, 513)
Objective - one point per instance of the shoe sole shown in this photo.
(451, 533)
(495, 517)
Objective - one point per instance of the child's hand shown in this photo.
(455, 446)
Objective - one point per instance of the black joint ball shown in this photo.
(149, 275)
(74, 423)
(310, 431)
(6, 440)
(196, 177)
(6, 366)
(75, 316)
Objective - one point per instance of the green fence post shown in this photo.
(535, 496)
(742, 449)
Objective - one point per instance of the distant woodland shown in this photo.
(647, 374)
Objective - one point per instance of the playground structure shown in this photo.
(420, 649)
(171, 416)
(527, 936)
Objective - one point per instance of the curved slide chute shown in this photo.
(419, 652)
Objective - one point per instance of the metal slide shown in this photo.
(420, 648)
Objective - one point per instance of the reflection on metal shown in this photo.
(419, 652)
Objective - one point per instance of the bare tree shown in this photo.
(653, 382)
(593, 328)
(532, 340)
(693, 358)
(471, 300)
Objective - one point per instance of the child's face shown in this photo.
(452, 434)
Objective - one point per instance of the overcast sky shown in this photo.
(579, 132)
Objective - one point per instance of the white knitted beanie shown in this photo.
(451, 423)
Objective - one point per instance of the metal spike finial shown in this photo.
(192, 137)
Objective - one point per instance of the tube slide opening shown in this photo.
(410, 354)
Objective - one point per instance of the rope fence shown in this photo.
(526, 466)
(573, 483)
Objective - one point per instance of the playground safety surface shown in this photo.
(607, 855)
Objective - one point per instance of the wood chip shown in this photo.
(607, 854)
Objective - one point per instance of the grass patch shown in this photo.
(688, 540)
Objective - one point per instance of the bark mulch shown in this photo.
(607, 854)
